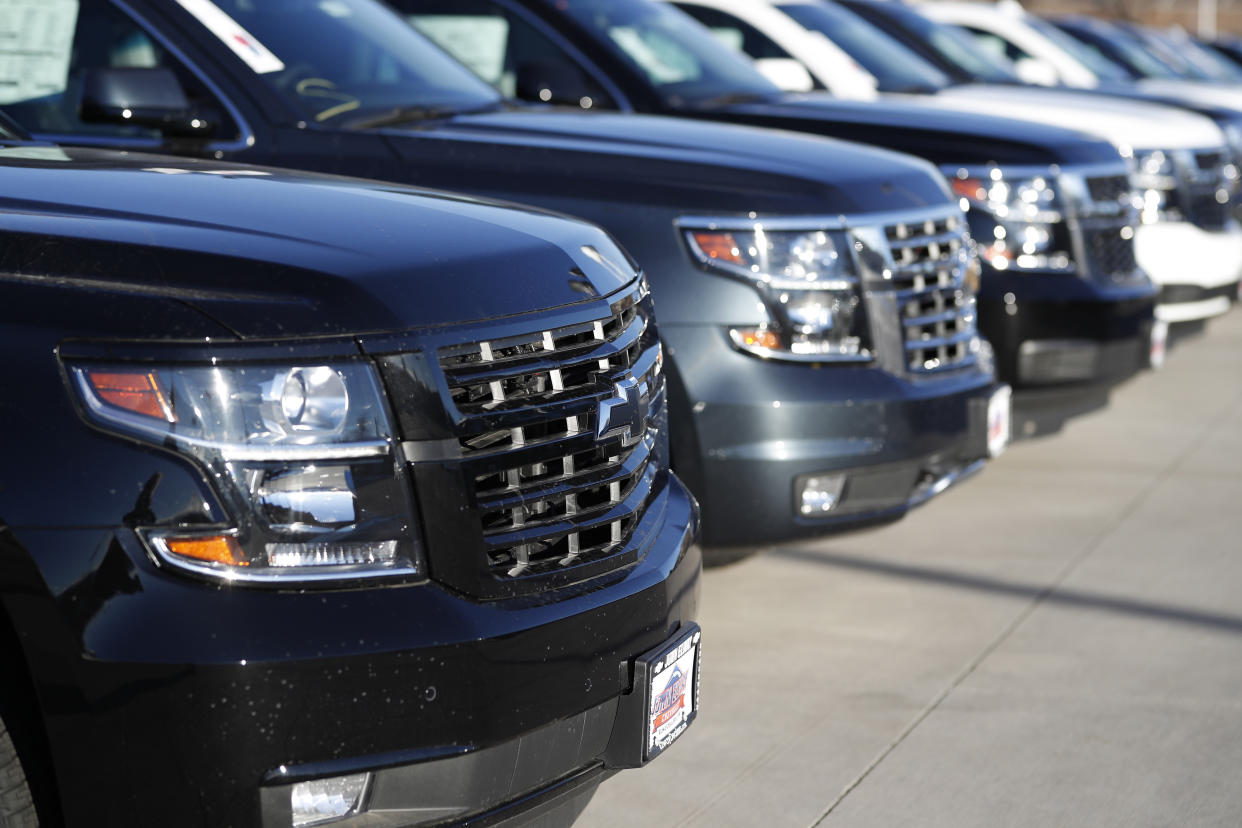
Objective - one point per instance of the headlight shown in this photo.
(808, 282)
(301, 456)
(1017, 222)
(1233, 133)
(1155, 179)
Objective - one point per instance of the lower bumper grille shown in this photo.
(1205, 210)
(1110, 254)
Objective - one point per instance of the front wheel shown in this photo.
(17, 808)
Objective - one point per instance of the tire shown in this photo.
(17, 808)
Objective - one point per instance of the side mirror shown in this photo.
(1037, 72)
(787, 73)
(553, 82)
(151, 98)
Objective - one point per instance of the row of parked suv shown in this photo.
(330, 501)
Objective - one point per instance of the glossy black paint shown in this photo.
(947, 139)
(634, 176)
(168, 700)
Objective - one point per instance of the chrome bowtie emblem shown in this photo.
(625, 413)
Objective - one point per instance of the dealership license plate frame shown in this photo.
(667, 717)
(1000, 420)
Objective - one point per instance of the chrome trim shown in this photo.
(814, 222)
(155, 540)
(790, 356)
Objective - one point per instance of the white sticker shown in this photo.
(245, 45)
(477, 41)
(36, 42)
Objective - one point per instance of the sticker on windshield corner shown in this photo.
(245, 45)
(36, 44)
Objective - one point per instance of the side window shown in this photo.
(735, 32)
(55, 47)
(998, 46)
(499, 45)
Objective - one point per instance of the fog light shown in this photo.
(819, 494)
(328, 800)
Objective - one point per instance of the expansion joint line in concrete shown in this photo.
(1131, 508)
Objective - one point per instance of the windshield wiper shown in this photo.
(401, 115)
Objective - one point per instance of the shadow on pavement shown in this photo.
(1042, 413)
(1051, 595)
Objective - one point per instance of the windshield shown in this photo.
(346, 62)
(10, 130)
(1100, 66)
(1209, 65)
(954, 46)
(681, 58)
(1129, 51)
(895, 67)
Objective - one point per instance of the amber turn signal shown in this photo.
(760, 338)
(720, 246)
(138, 391)
(220, 549)
(971, 188)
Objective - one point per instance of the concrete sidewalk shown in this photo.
(1057, 642)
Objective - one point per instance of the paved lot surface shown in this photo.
(1057, 642)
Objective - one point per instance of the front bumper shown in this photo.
(194, 705)
(1050, 329)
(1196, 270)
(745, 430)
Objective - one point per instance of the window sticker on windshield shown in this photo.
(477, 41)
(245, 45)
(36, 42)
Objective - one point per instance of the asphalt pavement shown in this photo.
(1057, 642)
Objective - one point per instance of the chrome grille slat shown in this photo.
(520, 491)
(544, 361)
(549, 493)
(575, 521)
(938, 321)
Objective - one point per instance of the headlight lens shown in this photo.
(1017, 222)
(301, 456)
(1155, 179)
(809, 284)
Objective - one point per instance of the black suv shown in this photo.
(324, 500)
(1062, 299)
(816, 304)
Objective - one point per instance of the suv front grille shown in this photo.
(1203, 176)
(938, 315)
(550, 491)
(1103, 226)
(1109, 188)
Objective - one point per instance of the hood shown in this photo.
(651, 160)
(274, 253)
(1193, 92)
(1122, 122)
(940, 135)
